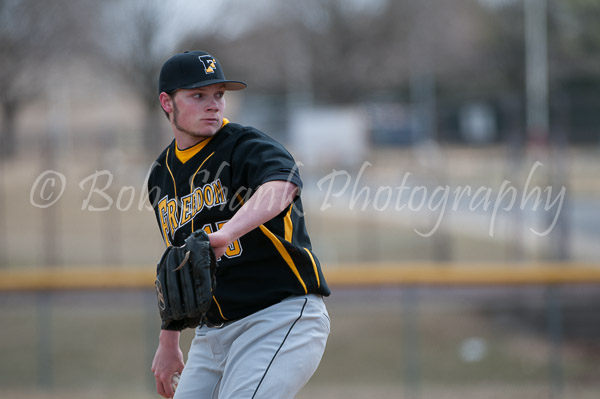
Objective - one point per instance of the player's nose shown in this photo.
(212, 104)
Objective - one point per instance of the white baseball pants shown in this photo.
(270, 354)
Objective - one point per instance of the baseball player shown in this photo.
(267, 326)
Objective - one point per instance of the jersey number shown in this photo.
(234, 249)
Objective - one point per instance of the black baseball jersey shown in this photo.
(202, 187)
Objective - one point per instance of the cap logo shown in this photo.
(209, 63)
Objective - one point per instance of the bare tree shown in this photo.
(129, 44)
(575, 33)
(343, 51)
(137, 38)
(32, 35)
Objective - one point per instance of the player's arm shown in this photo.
(269, 200)
(167, 360)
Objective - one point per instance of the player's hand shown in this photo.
(167, 360)
(219, 241)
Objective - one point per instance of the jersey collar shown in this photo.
(188, 153)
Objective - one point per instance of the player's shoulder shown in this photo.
(241, 135)
(160, 161)
(161, 158)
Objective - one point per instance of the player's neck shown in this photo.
(185, 141)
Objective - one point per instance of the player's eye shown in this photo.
(220, 94)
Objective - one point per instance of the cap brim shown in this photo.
(232, 85)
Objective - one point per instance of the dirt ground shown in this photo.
(385, 342)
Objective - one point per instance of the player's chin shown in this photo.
(209, 128)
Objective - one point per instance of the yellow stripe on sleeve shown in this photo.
(314, 267)
(288, 225)
(284, 254)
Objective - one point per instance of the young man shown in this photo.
(267, 327)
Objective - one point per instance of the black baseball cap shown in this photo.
(193, 69)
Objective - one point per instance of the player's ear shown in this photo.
(166, 102)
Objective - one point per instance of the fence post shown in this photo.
(554, 322)
(44, 340)
(410, 342)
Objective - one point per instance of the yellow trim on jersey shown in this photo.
(281, 249)
(171, 173)
(198, 170)
(284, 254)
(314, 267)
(288, 225)
(240, 199)
(194, 176)
(219, 307)
(188, 153)
(173, 228)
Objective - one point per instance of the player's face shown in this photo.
(198, 113)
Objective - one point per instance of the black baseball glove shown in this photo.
(185, 281)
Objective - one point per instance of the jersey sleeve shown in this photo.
(258, 159)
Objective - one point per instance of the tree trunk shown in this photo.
(9, 127)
